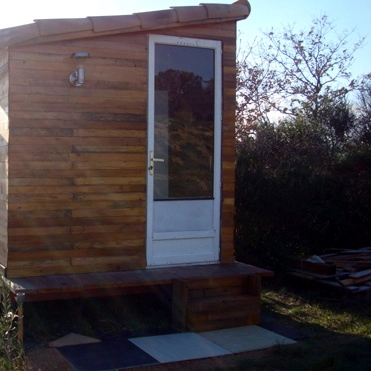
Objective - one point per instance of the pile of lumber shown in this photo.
(349, 270)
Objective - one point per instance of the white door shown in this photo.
(184, 145)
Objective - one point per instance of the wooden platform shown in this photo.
(205, 297)
(117, 283)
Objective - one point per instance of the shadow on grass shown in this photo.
(342, 352)
(338, 329)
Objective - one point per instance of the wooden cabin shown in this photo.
(118, 152)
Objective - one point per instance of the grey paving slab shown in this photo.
(242, 339)
(179, 347)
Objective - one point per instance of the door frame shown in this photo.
(191, 42)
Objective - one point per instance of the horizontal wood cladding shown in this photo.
(228, 150)
(4, 137)
(77, 169)
(78, 155)
(215, 303)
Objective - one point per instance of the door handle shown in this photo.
(152, 160)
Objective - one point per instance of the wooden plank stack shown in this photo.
(349, 270)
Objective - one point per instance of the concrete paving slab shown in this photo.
(179, 347)
(242, 339)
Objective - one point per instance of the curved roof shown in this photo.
(44, 30)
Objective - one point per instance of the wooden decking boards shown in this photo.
(226, 285)
(106, 283)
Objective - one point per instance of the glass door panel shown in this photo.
(184, 122)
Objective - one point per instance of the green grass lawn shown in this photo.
(338, 330)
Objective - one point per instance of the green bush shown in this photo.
(12, 357)
(295, 196)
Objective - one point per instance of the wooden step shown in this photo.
(222, 312)
(223, 303)
(217, 291)
(217, 282)
(213, 325)
(207, 304)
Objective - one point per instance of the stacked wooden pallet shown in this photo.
(349, 270)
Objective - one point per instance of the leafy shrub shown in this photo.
(295, 196)
(12, 357)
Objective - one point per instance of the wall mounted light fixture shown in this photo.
(77, 78)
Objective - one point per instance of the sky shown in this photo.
(266, 14)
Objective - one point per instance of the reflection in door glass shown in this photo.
(184, 122)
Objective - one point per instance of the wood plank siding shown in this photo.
(4, 136)
(78, 156)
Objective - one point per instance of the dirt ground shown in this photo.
(46, 359)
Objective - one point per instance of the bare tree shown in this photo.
(364, 116)
(295, 73)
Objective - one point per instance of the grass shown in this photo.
(338, 327)
(338, 330)
(343, 354)
(319, 310)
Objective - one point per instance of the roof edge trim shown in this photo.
(43, 30)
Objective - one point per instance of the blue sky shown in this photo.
(265, 14)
